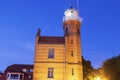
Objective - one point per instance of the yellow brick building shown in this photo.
(60, 58)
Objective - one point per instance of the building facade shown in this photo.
(60, 58)
(1, 74)
(18, 72)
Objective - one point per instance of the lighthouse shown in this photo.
(60, 57)
(71, 26)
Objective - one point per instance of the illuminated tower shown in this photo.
(71, 25)
(59, 57)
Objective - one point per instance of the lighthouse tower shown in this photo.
(71, 26)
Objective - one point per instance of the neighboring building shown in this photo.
(1, 74)
(60, 58)
(18, 72)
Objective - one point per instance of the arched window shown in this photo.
(72, 53)
(66, 30)
(78, 31)
(50, 72)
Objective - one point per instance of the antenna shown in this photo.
(77, 5)
(71, 5)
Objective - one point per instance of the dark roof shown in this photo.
(51, 40)
(18, 67)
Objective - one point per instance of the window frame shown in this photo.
(51, 52)
(50, 72)
(67, 30)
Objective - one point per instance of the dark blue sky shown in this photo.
(20, 19)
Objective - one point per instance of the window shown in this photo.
(31, 70)
(21, 76)
(24, 70)
(29, 77)
(14, 76)
(66, 31)
(8, 75)
(72, 71)
(50, 72)
(71, 41)
(72, 53)
(51, 53)
(78, 31)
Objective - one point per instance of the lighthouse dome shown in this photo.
(71, 14)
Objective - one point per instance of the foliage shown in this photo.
(111, 68)
(87, 69)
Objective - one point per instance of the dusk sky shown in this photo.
(20, 19)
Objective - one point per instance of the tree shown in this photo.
(87, 69)
(111, 68)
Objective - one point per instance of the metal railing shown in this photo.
(72, 18)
